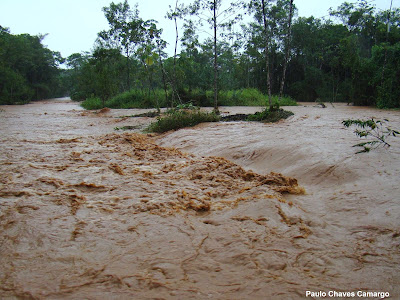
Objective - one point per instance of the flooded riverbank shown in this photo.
(200, 213)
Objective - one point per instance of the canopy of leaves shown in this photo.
(28, 70)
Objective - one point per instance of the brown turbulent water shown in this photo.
(88, 212)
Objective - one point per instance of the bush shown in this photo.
(274, 115)
(129, 99)
(242, 97)
(180, 118)
(92, 103)
(285, 101)
(138, 99)
(251, 97)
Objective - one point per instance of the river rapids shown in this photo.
(232, 210)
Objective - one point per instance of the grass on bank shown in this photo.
(142, 99)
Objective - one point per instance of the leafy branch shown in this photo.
(375, 129)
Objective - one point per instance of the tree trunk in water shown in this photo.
(128, 71)
(267, 55)
(387, 44)
(215, 59)
(163, 77)
(174, 89)
(288, 40)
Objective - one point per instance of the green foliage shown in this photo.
(270, 115)
(388, 93)
(28, 70)
(138, 99)
(131, 99)
(354, 59)
(181, 118)
(240, 97)
(251, 97)
(285, 101)
(15, 89)
(105, 64)
(373, 129)
(92, 103)
(99, 74)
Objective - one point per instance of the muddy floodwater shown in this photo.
(232, 210)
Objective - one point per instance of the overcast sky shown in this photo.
(72, 25)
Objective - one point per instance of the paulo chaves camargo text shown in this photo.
(359, 294)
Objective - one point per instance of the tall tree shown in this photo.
(174, 14)
(105, 62)
(218, 17)
(264, 15)
(147, 51)
(190, 55)
(287, 51)
(125, 33)
(387, 40)
(161, 44)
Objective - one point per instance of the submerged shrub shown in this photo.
(92, 103)
(270, 115)
(180, 118)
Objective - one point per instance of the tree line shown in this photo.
(354, 56)
(28, 70)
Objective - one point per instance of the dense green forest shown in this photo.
(256, 46)
(28, 70)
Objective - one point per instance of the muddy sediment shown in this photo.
(201, 213)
